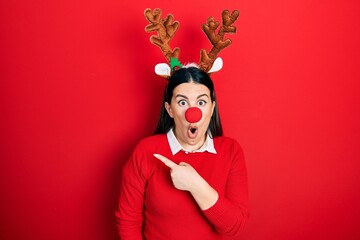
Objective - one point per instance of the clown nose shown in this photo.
(193, 115)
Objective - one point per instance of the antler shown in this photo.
(166, 29)
(217, 40)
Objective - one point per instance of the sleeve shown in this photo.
(229, 214)
(129, 214)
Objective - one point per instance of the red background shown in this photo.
(78, 92)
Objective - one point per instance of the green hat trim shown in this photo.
(174, 62)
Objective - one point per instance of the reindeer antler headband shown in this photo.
(166, 29)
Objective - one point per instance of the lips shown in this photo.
(192, 132)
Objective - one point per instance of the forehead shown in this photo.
(191, 89)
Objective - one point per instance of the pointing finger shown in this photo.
(165, 160)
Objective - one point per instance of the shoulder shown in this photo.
(227, 144)
(142, 158)
(152, 142)
(150, 145)
(226, 141)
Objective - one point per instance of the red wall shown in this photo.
(78, 91)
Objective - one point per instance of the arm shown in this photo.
(230, 212)
(185, 178)
(129, 215)
(204, 195)
(227, 213)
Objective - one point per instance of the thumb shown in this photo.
(184, 164)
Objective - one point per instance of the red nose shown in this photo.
(193, 115)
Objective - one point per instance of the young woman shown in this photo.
(187, 181)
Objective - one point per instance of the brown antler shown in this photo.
(166, 29)
(217, 40)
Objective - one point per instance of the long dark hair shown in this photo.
(185, 75)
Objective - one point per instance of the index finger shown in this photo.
(165, 160)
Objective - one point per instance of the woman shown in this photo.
(186, 181)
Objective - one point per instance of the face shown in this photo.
(186, 95)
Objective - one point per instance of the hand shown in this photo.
(183, 175)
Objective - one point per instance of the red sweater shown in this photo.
(151, 208)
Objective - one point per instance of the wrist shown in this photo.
(204, 194)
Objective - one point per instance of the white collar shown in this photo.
(176, 147)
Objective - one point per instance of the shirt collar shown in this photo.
(176, 147)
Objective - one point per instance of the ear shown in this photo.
(163, 70)
(168, 109)
(213, 107)
(217, 65)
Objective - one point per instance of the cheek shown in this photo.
(207, 113)
(178, 113)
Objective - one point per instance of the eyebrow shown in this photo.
(183, 96)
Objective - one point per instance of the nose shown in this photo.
(193, 114)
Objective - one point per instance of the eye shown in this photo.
(202, 103)
(182, 103)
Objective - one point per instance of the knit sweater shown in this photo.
(151, 208)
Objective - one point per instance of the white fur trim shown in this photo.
(190, 65)
(217, 66)
(162, 69)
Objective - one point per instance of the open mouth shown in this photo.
(193, 131)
